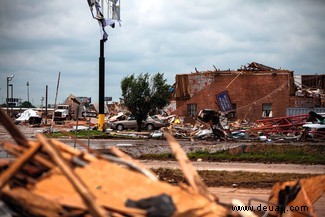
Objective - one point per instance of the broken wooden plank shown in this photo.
(18, 136)
(112, 185)
(308, 202)
(84, 155)
(18, 150)
(314, 187)
(16, 165)
(188, 169)
(76, 182)
(136, 163)
(32, 204)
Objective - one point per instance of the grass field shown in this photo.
(263, 153)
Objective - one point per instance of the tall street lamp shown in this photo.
(113, 12)
(11, 92)
(9, 78)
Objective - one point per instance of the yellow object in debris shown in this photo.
(101, 121)
(177, 120)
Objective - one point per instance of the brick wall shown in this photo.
(248, 91)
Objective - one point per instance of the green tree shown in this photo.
(27, 104)
(144, 94)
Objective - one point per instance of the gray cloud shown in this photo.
(40, 38)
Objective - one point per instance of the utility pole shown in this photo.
(46, 96)
(113, 12)
(27, 84)
(101, 93)
(56, 97)
(8, 79)
(42, 102)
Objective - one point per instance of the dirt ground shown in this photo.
(241, 166)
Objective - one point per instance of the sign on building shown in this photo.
(224, 101)
(108, 98)
(12, 100)
(84, 100)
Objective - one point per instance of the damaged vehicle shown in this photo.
(315, 126)
(31, 117)
(151, 123)
(315, 131)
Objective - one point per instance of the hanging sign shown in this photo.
(224, 102)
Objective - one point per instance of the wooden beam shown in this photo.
(18, 136)
(17, 151)
(18, 164)
(188, 169)
(63, 147)
(140, 166)
(33, 204)
(86, 195)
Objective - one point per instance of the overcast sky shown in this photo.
(39, 39)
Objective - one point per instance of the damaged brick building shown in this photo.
(252, 92)
(310, 92)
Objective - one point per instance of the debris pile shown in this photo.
(31, 116)
(209, 124)
(49, 178)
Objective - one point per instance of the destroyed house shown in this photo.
(252, 92)
(309, 94)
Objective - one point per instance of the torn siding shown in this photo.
(182, 87)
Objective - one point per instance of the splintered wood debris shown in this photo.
(49, 178)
